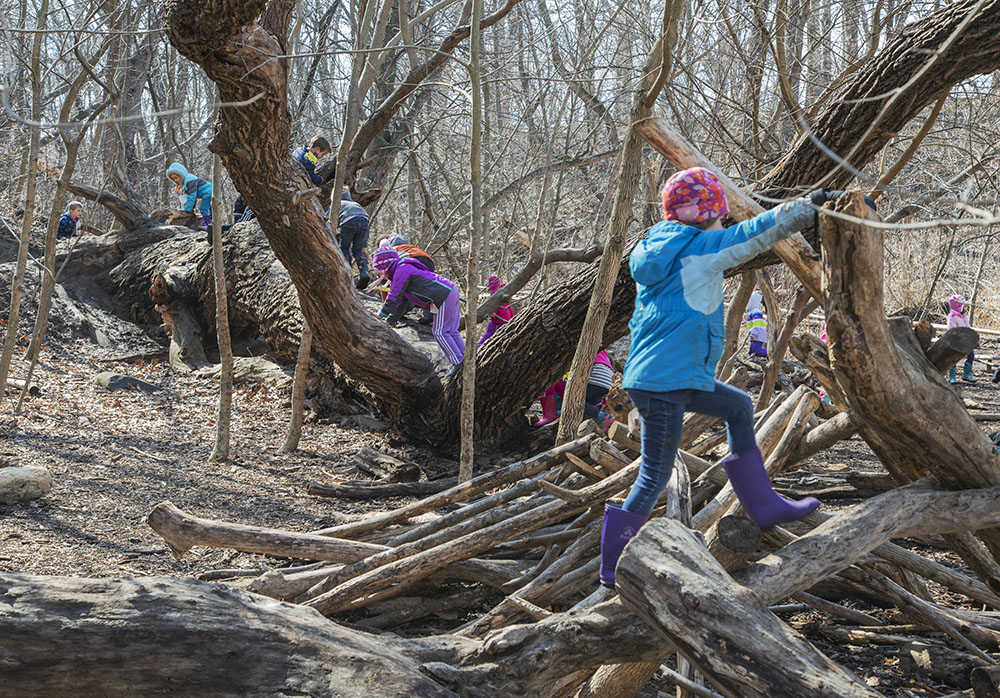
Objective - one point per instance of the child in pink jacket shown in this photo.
(959, 317)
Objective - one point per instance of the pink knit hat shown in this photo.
(694, 195)
(493, 284)
(956, 302)
(384, 258)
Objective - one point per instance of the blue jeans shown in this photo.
(353, 239)
(662, 421)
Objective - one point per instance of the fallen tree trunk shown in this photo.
(112, 638)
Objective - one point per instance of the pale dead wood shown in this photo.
(744, 650)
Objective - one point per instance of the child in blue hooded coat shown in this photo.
(196, 188)
(677, 331)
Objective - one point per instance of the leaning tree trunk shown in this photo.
(252, 141)
(880, 366)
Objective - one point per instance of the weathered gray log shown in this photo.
(360, 489)
(118, 638)
(181, 532)
(18, 383)
(671, 580)
(939, 664)
(834, 545)
(986, 681)
(386, 467)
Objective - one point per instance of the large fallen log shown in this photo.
(670, 580)
(118, 638)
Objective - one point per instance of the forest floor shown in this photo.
(114, 455)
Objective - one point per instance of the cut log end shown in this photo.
(739, 534)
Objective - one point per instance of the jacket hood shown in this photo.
(653, 257)
(177, 169)
(756, 298)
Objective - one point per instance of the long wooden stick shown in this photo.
(182, 531)
(401, 574)
(463, 491)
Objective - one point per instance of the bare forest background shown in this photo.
(557, 81)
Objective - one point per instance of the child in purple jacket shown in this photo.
(410, 281)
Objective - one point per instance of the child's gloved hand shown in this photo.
(821, 196)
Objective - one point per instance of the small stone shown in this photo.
(368, 423)
(118, 381)
(21, 484)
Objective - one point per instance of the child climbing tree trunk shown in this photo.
(221, 451)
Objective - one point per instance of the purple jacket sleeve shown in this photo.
(395, 303)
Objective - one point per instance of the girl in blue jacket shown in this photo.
(194, 188)
(677, 334)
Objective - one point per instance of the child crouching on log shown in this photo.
(411, 282)
(677, 335)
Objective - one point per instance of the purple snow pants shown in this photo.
(445, 329)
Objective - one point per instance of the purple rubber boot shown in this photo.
(206, 223)
(618, 529)
(753, 488)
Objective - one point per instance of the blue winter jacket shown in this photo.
(309, 161)
(195, 187)
(67, 227)
(678, 326)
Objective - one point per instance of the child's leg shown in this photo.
(445, 329)
(594, 395)
(661, 435)
(206, 206)
(745, 466)
(357, 248)
(346, 239)
(732, 405)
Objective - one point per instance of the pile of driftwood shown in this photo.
(503, 568)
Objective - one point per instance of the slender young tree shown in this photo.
(221, 451)
(468, 412)
(299, 390)
(657, 67)
(29, 200)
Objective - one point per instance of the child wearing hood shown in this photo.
(195, 188)
(959, 317)
(677, 333)
(411, 282)
(757, 326)
(501, 316)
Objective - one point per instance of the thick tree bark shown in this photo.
(879, 369)
(180, 637)
(724, 629)
(870, 112)
(252, 141)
